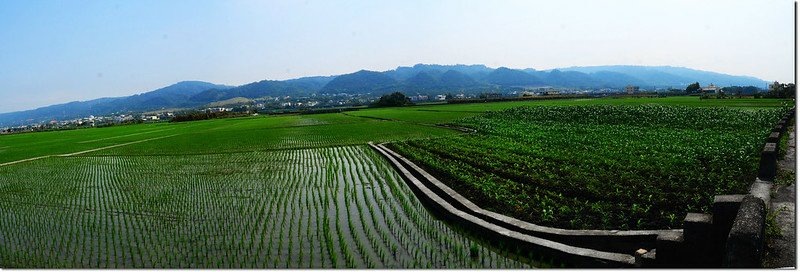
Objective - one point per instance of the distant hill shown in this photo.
(422, 82)
(420, 78)
(455, 79)
(293, 87)
(509, 77)
(473, 71)
(668, 76)
(610, 79)
(570, 79)
(167, 97)
(236, 101)
(359, 83)
(170, 96)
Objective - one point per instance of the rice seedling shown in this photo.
(330, 207)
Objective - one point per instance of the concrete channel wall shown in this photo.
(626, 242)
(573, 255)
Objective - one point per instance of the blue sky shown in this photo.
(60, 51)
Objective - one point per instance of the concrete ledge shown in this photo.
(774, 137)
(697, 226)
(769, 162)
(725, 208)
(626, 242)
(724, 211)
(745, 245)
(671, 251)
(762, 190)
(582, 257)
(698, 233)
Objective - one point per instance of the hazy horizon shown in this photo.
(61, 51)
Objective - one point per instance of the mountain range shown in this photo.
(417, 79)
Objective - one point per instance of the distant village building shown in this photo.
(166, 115)
(630, 89)
(419, 98)
(213, 110)
(544, 91)
(493, 95)
(441, 97)
(711, 89)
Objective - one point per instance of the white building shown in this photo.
(419, 98)
(212, 110)
(711, 89)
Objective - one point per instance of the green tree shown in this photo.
(781, 90)
(693, 88)
(395, 99)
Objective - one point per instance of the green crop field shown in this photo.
(303, 191)
(435, 114)
(319, 207)
(28, 145)
(357, 127)
(600, 167)
(215, 136)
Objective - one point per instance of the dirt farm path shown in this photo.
(84, 151)
(780, 251)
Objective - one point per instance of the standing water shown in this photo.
(341, 207)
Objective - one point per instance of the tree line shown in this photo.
(776, 90)
(196, 116)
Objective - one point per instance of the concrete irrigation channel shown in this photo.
(521, 234)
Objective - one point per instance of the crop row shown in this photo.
(305, 208)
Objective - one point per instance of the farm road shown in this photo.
(84, 151)
(121, 136)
